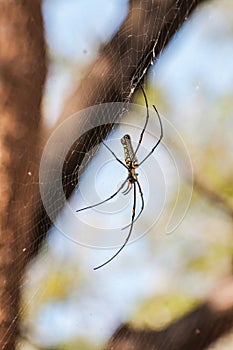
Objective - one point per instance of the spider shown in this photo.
(131, 164)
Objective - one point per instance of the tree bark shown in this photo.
(22, 69)
(194, 331)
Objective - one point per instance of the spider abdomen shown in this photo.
(130, 156)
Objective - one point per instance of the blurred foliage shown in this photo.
(159, 311)
(75, 344)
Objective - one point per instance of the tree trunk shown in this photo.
(22, 67)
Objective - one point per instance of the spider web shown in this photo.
(143, 49)
(114, 75)
(131, 40)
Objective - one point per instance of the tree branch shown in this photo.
(194, 331)
(213, 196)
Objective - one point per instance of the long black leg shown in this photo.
(142, 206)
(107, 199)
(115, 155)
(146, 122)
(129, 234)
(128, 189)
(159, 140)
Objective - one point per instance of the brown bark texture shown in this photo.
(22, 74)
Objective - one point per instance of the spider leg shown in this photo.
(129, 234)
(105, 200)
(142, 206)
(159, 140)
(128, 189)
(146, 122)
(114, 155)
